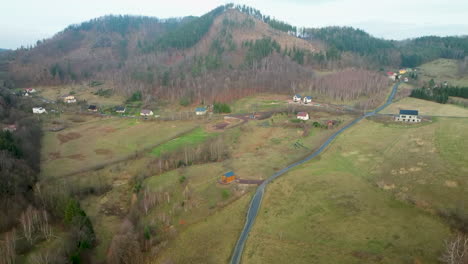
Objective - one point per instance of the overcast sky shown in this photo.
(23, 22)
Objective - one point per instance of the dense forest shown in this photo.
(407, 53)
(439, 94)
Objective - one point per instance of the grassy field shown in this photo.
(443, 70)
(81, 92)
(195, 137)
(210, 240)
(258, 103)
(261, 147)
(367, 199)
(426, 108)
(105, 139)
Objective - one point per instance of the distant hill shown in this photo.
(381, 52)
(3, 50)
(230, 52)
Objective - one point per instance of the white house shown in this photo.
(411, 116)
(200, 110)
(146, 112)
(69, 99)
(307, 99)
(39, 110)
(303, 116)
(297, 98)
(30, 90)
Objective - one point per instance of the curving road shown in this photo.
(258, 196)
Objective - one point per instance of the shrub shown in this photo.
(221, 108)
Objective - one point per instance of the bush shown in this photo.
(184, 101)
(221, 108)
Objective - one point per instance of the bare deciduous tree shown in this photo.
(456, 250)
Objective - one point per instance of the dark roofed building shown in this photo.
(92, 108)
(120, 109)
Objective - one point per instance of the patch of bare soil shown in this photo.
(103, 152)
(54, 155)
(77, 119)
(451, 184)
(64, 138)
(108, 130)
(76, 157)
(221, 126)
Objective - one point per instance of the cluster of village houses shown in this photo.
(400, 75)
(410, 116)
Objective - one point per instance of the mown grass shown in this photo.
(367, 199)
(443, 70)
(426, 108)
(194, 137)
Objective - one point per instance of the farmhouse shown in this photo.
(297, 98)
(228, 177)
(120, 109)
(411, 116)
(200, 111)
(146, 112)
(30, 90)
(11, 128)
(92, 108)
(39, 110)
(303, 116)
(69, 99)
(307, 99)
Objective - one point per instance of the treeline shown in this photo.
(440, 94)
(187, 34)
(407, 53)
(349, 39)
(274, 23)
(424, 49)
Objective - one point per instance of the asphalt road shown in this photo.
(258, 196)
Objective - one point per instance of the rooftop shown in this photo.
(409, 112)
(229, 174)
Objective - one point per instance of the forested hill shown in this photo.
(229, 52)
(381, 52)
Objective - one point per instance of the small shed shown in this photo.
(146, 112)
(200, 110)
(120, 109)
(69, 99)
(92, 108)
(228, 177)
(39, 110)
